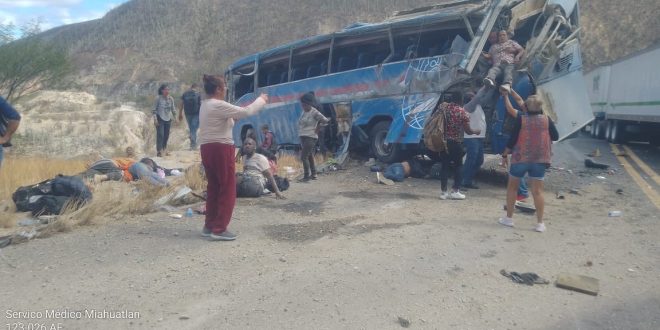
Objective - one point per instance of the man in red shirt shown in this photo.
(457, 123)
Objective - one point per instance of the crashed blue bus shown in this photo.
(379, 82)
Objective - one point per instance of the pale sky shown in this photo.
(54, 12)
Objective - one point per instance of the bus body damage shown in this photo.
(389, 76)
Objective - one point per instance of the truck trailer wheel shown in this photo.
(599, 129)
(618, 133)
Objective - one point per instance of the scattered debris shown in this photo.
(595, 153)
(184, 317)
(619, 191)
(591, 164)
(589, 263)
(5, 241)
(28, 235)
(631, 270)
(524, 278)
(29, 222)
(523, 207)
(380, 178)
(574, 191)
(601, 177)
(403, 322)
(579, 283)
(560, 195)
(282, 259)
(614, 214)
(176, 216)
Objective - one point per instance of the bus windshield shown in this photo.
(379, 82)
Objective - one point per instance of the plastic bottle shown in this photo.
(189, 212)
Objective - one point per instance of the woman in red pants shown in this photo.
(216, 119)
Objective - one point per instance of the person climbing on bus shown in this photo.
(504, 55)
(308, 127)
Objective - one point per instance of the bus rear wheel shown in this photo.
(385, 152)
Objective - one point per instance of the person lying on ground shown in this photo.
(144, 171)
(504, 55)
(414, 167)
(161, 171)
(256, 173)
(108, 169)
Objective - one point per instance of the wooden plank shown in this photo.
(579, 283)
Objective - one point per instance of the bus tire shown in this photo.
(387, 153)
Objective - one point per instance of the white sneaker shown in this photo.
(506, 87)
(506, 221)
(444, 195)
(540, 227)
(456, 195)
(380, 178)
(489, 82)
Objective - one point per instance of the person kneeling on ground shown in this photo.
(256, 175)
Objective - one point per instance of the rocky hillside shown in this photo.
(612, 29)
(142, 43)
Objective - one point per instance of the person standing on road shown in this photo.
(474, 146)
(530, 147)
(219, 154)
(191, 100)
(457, 123)
(9, 121)
(308, 127)
(164, 111)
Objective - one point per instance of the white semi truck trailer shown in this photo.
(625, 98)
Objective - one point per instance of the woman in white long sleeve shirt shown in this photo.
(216, 118)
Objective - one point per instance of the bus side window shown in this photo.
(313, 71)
(345, 63)
(284, 77)
(364, 59)
(297, 74)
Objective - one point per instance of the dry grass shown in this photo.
(112, 200)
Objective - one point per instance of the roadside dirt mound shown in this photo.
(72, 124)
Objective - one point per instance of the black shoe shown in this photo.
(313, 177)
(470, 186)
(304, 179)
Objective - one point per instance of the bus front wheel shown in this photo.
(385, 152)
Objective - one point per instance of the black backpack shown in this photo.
(23, 195)
(50, 196)
(191, 102)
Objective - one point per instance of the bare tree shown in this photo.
(29, 63)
